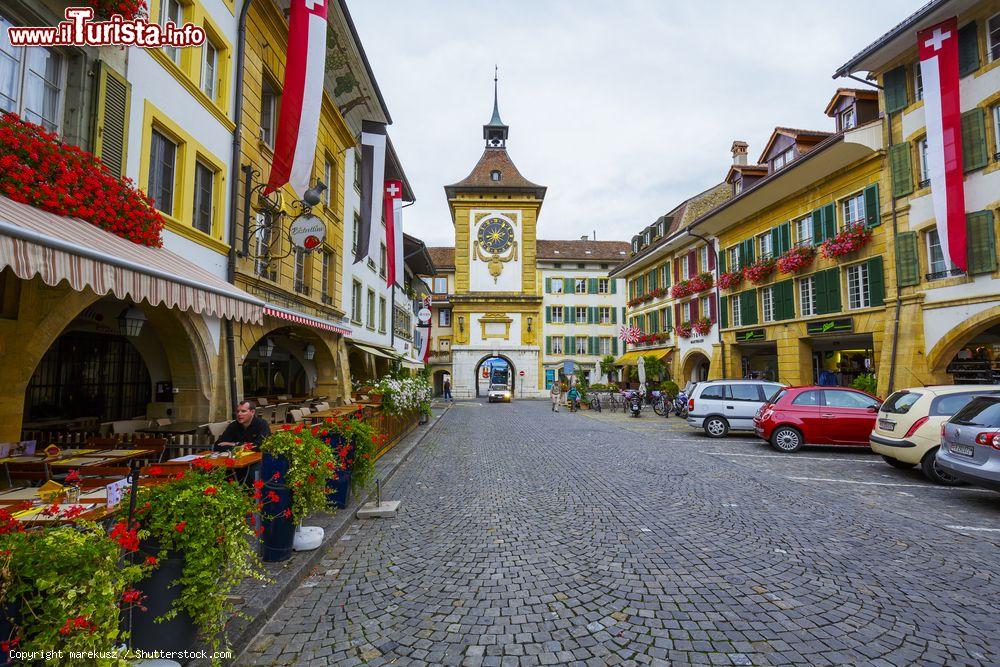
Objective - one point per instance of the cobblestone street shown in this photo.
(527, 537)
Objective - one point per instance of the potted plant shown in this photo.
(198, 528)
(701, 282)
(608, 366)
(348, 437)
(681, 289)
(702, 326)
(64, 588)
(296, 467)
(684, 329)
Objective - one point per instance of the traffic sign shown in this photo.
(521, 373)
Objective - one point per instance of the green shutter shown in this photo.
(899, 167)
(829, 221)
(748, 307)
(567, 285)
(669, 317)
(775, 242)
(652, 280)
(907, 264)
(570, 315)
(654, 322)
(894, 83)
(722, 262)
(873, 216)
(784, 237)
(666, 275)
(614, 346)
(968, 49)
(548, 314)
(784, 301)
(592, 286)
(568, 345)
(817, 223)
(975, 153)
(548, 345)
(724, 312)
(982, 249)
(876, 281)
(819, 290)
(614, 285)
(640, 286)
(548, 285)
(614, 315)
(751, 250)
(832, 281)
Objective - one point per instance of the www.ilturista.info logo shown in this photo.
(80, 29)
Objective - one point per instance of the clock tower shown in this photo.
(496, 305)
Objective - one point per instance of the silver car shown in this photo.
(970, 443)
(718, 406)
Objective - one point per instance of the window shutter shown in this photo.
(548, 314)
(654, 322)
(968, 49)
(666, 275)
(592, 286)
(775, 242)
(981, 250)
(711, 258)
(677, 270)
(713, 312)
(677, 313)
(784, 237)
(668, 321)
(614, 315)
(724, 307)
(819, 289)
(692, 264)
(722, 262)
(974, 150)
(111, 127)
(784, 301)
(899, 167)
(894, 82)
(873, 216)
(567, 285)
(829, 221)
(548, 345)
(568, 344)
(548, 285)
(652, 280)
(751, 251)
(907, 264)
(614, 346)
(570, 316)
(614, 285)
(833, 290)
(817, 223)
(876, 281)
(748, 307)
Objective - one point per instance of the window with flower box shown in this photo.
(804, 231)
(852, 209)
(704, 306)
(32, 81)
(765, 242)
(703, 258)
(733, 259)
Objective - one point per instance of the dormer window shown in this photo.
(782, 159)
(646, 238)
(737, 185)
(495, 175)
(635, 245)
(662, 227)
(848, 118)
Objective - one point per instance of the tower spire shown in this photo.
(495, 132)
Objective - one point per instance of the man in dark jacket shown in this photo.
(247, 427)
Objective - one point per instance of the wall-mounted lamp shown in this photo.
(461, 323)
(265, 348)
(529, 325)
(310, 351)
(131, 320)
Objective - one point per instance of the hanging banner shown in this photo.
(393, 205)
(373, 142)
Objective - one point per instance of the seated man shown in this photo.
(247, 427)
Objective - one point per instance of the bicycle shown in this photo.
(595, 403)
(660, 406)
(614, 402)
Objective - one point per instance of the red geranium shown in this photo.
(105, 9)
(684, 329)
(851, 238)
(701, 282)
(759, 270)
(681, 289)
(796, 259)
(730, 280)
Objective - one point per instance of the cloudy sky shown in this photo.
(623, 109)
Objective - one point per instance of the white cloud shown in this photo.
(622, 109)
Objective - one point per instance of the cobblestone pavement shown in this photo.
(530, 538)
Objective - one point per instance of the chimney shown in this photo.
(740, 152)
(584, 238)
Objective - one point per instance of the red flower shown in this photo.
(151, 560)
(273, 497)
(287, 513)
(126, 538)
(179, 527)
(132, 595)
(155, 471)
(258, 484)
(210, 491)
(73, 476)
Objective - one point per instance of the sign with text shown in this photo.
(116, 491)
(748, 335)
(844, 325)
(307, 232)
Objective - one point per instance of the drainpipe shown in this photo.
(718, 304)
(895, 229)
(234, 177)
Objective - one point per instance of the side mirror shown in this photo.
(874, 408)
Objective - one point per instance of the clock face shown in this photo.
(496, 235)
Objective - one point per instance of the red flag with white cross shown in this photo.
(392, 201)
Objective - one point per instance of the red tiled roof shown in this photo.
(511, 180)
(443, 257)
(579, 249)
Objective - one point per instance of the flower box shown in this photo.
(702, 326)
(681, 289)
(759, 271)
(851, 238)
(730, 280)
(701, 282)
(796, 259)
(684, 330)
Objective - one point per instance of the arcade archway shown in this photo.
(695, 368)
(498, 369)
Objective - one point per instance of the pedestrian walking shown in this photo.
(556, 394)
(447, 389)
(574, 399)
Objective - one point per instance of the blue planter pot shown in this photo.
(279, 531)
(10, 615)
(338, 491)
(161, 588)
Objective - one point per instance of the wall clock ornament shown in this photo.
(495, 244)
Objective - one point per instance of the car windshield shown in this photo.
(901, 402)
(980, 412)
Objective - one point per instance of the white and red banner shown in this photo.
(938, 46)
(392, 202)
(301, 97)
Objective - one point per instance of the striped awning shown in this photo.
(55, 248)
(632, 358)
(306, 320)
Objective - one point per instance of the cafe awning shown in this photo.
(372, 349)
(632, 358)
(55, 248)
(271, 310)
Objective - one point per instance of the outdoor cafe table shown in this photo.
(342, 411)
(108, 457)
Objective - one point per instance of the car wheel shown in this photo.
(716, 427)
(896, 463)
(786, 439)
(936, 473)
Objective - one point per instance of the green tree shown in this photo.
(654, 368)
(608, 366)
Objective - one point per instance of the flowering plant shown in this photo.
(658, 292)
(730, 280)
(105, 9)
(701, 282)
(796, 259)
(36, 168)
(652, 338)
(851, 238)
(684, 329)
(208, 520)
(404, 396)
(702, 326)
(359, 448)
(68, 584)
(759, 270)
(311, 462)
(681, 289)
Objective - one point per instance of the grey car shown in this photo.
(718, 406)
(970, 446)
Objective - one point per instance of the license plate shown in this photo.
(886, 425)
(964, 450)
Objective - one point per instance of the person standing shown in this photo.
(556, 394)
(447, 389)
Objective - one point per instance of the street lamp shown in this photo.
(310, 351)
(131, 320)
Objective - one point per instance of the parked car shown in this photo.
(799, 416)
(719, 406)
(970, 447)
(499, 392)
(908, 429)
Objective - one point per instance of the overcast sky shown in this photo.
(623, 109)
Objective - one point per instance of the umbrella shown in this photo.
(642, 373)
(595, 377)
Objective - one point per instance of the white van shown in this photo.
(719, 406)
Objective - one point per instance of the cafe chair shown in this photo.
(27, 472)
(296, 415)
(262, 402)
(280, 413)
(93, 477)
(217, 428)
(156, 446)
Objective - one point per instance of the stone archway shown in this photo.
(329, 363)
(694, 368)
(511, 373)
(945, 349)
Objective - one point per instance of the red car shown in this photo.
(817, 416)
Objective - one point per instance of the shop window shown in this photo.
(807, 296)
(858, 295)
(32, 81)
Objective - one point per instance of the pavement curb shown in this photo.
(287, 576)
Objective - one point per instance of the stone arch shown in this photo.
(692, 360)
(475, 370)
(327, 359)
(945, 349)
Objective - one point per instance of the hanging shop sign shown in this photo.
(307, 231)
(844, 325)
(748, 335)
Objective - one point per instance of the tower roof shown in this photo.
(495, 132)
(495, 173)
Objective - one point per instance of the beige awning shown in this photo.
(55, 248)
(409, 363)
(371, 349)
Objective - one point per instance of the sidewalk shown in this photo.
(258, 600)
